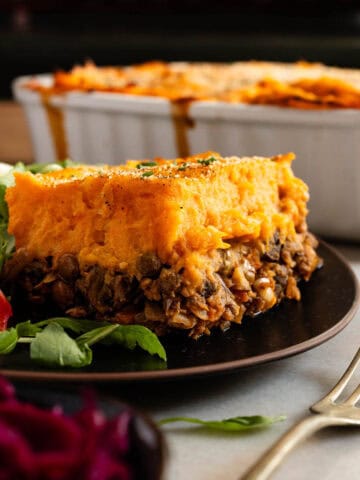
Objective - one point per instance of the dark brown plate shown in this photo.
(329, 302)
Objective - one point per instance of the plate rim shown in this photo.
(202, 370)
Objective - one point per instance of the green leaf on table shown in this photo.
(8, 340)
(235, 424)
(54, 347)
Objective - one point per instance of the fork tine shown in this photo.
(354, 397)
(344, 380)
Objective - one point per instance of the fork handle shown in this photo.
(272, 458)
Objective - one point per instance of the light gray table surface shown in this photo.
(284, 387)
(288, 386)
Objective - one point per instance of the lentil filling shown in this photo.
(245, 279)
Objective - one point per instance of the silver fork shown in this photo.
(328, 412)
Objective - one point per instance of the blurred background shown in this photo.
(44, 35)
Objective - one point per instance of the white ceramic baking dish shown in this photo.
(110, 128)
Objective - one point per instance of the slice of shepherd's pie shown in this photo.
(185, 244)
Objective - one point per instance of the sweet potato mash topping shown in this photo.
(298, 85)
(173, 208)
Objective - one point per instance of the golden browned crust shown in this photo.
(297, 85)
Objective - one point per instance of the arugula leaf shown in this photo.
(8, 340)
(53, 347)
(96, 335)
(235, 424)
(75, 325)
(27, 329)
(131, 336)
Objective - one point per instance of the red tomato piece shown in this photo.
(5, 311)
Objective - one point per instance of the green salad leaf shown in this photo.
(53, 347)
(234, 424)
(96, 335)
(75, 325)
(131, 336)
(66, 341)
(8, 340)
(27, 329)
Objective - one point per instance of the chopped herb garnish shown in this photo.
(147, 174)
(146, 164)
(207, 161)
(183, 167)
